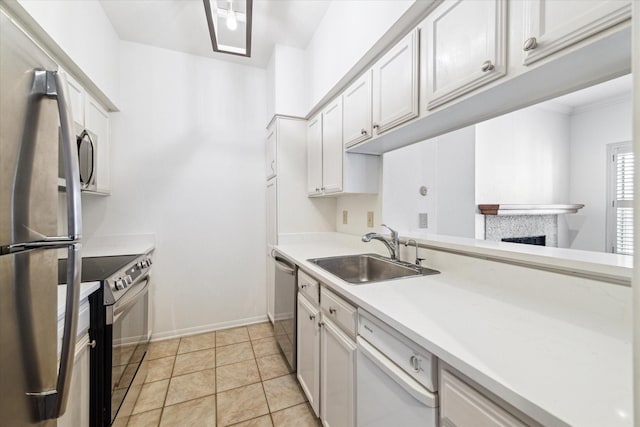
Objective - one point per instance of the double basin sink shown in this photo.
(368, 268)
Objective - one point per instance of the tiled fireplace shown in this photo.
(516, 221)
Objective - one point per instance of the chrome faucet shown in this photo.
(392, 244)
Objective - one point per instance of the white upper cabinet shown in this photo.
(314, 155)
(552, 25)
(270, 165)
(465, 47)
(96, 120)
(395, 85)
(75, 95)
(332, 149)
(357, 108)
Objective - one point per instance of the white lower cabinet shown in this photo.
(309, 351)
(463, 406)
(337, 383)
(77, 413)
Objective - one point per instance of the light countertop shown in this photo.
(559, 365)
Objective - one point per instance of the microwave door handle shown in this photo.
(93, 159)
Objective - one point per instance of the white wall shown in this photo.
(445, 165)
(592, 129)
(357, 206)
(189, 167)
(83, 31)
(523, 158)
(287, 91)
(347, 31)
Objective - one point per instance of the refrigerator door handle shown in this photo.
(57, 88)
(51, 404)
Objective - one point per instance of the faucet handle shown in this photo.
(394, 233)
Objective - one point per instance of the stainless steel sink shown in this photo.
(367, 268)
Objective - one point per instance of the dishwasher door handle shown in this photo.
(410, 385)
(283, 266)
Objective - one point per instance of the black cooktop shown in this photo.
(96, 268)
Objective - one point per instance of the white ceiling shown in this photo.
(181, 25)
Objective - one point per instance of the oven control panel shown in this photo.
(119, 282)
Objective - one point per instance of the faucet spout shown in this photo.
(392, 244)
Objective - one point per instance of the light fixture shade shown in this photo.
(230, 34)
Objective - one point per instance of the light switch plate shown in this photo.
(423, 220)
(370, 219)
(345, 217)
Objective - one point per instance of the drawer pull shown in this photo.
(415, 363)
(312, 317)
(332, 310)
(304, 286)
(92, 343)
(530, 44)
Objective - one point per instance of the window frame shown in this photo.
(613, 149)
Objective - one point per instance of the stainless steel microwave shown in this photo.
(87, 143)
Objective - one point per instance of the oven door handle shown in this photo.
(122, 306)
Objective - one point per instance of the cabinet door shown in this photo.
(75, 94)
(461, 61)
(395, 85)
(270, 165)
(356, 126)
(462, 406)
(77, 413)
(309, 351)
(272, 213)
(96, 119)
(554, 25)
(314, 155)
(332, 148)
(337, 384)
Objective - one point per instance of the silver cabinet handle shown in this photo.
(332, 310)
(92, 343)
(487, 66)
(376, 126)
(530, 44)
(317, 190)
(321, 324)
(322, 188)
(303, 286)
(363, 131)
(415, 363)
(312, 317)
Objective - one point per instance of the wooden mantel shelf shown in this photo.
(528, 209)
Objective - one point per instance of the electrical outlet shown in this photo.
(345, 217)
(370, 219)
(423, 220)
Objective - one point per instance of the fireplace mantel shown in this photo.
(529, 209)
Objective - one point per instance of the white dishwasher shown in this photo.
(396, 378)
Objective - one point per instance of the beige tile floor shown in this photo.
(231, 377)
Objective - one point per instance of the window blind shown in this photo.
(624, 168)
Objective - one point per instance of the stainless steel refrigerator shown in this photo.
(34, 119)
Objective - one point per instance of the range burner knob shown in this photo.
(127, 280)
(149, 262)
(140, 265)
(119, 284)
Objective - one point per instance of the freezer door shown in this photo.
(29, 137)
(28, 333)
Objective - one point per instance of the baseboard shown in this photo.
(208, 328)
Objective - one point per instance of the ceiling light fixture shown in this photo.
(230, 24)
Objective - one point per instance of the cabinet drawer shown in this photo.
(309, 287)
(338, 310)
(462, 406)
